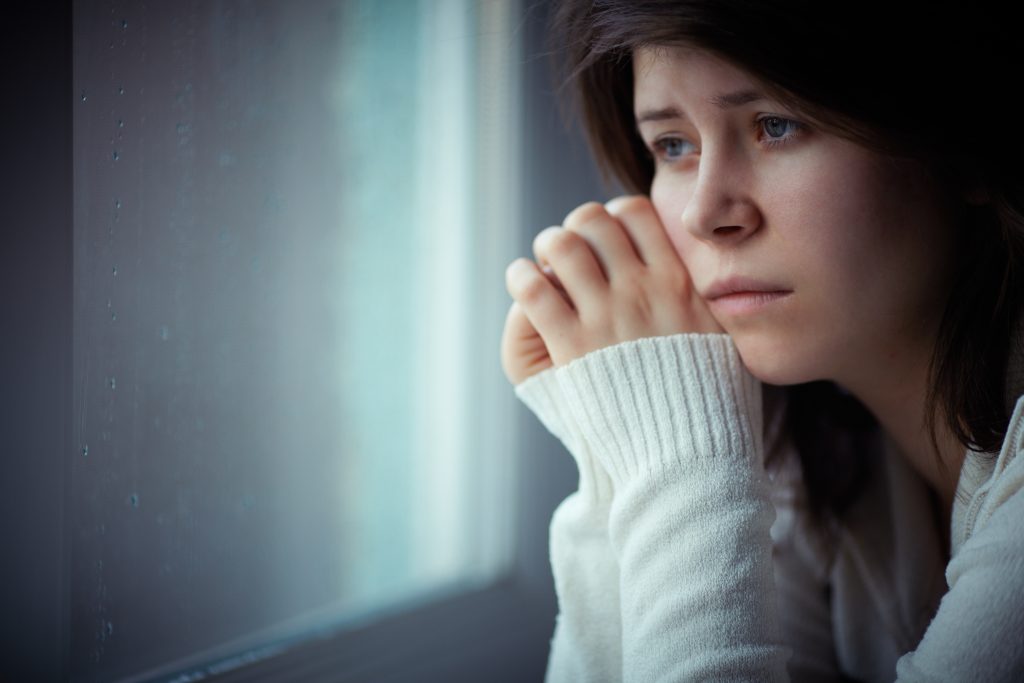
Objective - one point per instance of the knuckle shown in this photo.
(563, 243)
(583, 214)
(541, 239)
(531, 289)
(543, 234)
(516, 273)
(512, 269)
(629, 205)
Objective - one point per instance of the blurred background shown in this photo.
(253, 261)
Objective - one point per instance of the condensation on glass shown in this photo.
(285, 321)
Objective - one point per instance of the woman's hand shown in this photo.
(610, 275)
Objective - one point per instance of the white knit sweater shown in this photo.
(680, 558)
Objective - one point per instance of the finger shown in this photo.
(543, 305)
(573, 262)
(523, 352)
(647, 233)
(541, 259)
(550, 274)
(517, 326)
(607, 237)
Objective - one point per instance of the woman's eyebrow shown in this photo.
(735, 99)
(723, 101)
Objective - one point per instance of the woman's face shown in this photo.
(863, 246)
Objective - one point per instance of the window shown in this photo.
(60, 520)
(291, 222)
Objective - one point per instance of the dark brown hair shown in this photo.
(919, 82)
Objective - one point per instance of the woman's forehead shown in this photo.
(662, 71)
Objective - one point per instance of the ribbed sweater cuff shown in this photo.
(543, 395)
(647, 406)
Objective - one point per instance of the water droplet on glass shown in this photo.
(113, 316)
(85, 450)
(84, 98)
(120, 123)
(99, 564)
(108, 303)
(116, 155)
(135, 500)
(113, 383)
(165, 333)
(117, 203)
(111, 45)
(124, 23)
(114, 271)
(120, 90)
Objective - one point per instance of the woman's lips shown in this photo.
(745, 303)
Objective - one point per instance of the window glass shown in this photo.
(285, 321)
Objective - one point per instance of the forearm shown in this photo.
(676, 423)
(587, 642)
(698, 596)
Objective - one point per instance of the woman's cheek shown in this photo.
(669, 206)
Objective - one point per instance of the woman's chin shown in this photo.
(775, 362)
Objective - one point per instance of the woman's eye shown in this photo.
(771, 131)
(775, 129)
(669, 148)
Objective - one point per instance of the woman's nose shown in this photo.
(721, 210)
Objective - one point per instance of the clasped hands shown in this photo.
(607, 275)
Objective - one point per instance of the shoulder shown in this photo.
(976, 631)
(992, 485)
(978, 623)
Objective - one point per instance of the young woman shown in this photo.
(789, 366)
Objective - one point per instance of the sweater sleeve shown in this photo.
(587, 642)
(976, 633)
(676, 423)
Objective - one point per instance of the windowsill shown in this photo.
(495, 633)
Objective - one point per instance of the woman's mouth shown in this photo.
(745, 303)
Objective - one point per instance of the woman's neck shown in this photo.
(895, 395)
